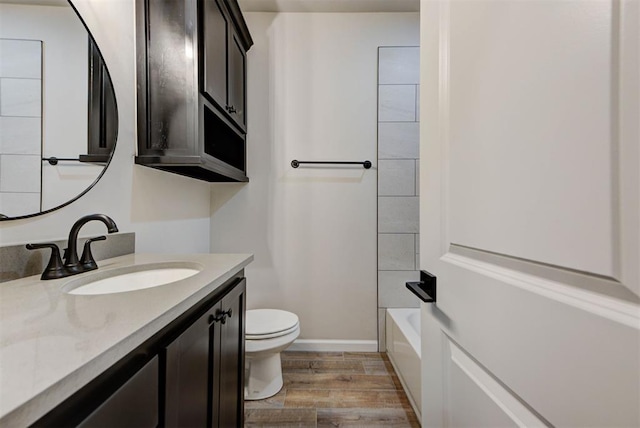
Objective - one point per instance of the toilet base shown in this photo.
(263, 376)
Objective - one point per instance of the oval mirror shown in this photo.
(58, 113)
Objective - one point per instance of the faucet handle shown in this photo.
(55, 268)
(87, 261)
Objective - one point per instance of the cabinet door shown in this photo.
(134, 404)
(172, 84)
(188, 372)
(237, 81)
(214, 47)
(229, 356)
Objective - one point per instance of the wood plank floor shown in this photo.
(334, 389)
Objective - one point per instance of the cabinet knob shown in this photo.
(224, 315)
(231, 109)
(220, 316)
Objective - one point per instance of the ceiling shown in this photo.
(329, 5)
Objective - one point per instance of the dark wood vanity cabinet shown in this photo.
(228, 387)
(213, 344)
(133, 405)
(191, 67)
(190, 374)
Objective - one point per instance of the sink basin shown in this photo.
(131, 278)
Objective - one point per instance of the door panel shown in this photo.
(527, 110)
(529, 213)
(478, 398)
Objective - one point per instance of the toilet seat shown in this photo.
(271, 335)
(274, 344)
(269, 323)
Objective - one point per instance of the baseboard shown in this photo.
(312, 345)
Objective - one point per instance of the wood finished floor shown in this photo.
(334, 389)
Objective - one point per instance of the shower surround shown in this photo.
(398, 177)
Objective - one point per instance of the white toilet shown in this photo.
(268, 332)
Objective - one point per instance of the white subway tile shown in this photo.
(396, 251)
(20, 173)
(399, 140)
(396, 177)
(392, 291)
(20, 97)
(20, 135)
(396, 103)
(398, 214)
(417, 177)
(399, 65)
(21, 58)
(418, 103)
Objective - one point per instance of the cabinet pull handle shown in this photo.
(224, 315)
(220, 316)
(231, 109)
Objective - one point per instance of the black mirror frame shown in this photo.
(117, 123)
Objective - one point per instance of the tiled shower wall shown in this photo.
(398, 163)
(20, 126)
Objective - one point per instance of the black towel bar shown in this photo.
(366, 164)
(54, 160)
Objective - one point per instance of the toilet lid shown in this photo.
(261, 322)
(293, 329)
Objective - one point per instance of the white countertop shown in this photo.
(53, 343)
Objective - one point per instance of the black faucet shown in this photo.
(56, 269)
(71, 262)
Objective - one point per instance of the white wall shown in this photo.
(168, 213)
(312, 94)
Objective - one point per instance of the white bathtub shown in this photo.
(403, 349)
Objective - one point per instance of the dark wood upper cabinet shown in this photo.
(191, 67)
(223, 66)
(237, 81)
(215, 34)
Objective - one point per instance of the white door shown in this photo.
(530, 212)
